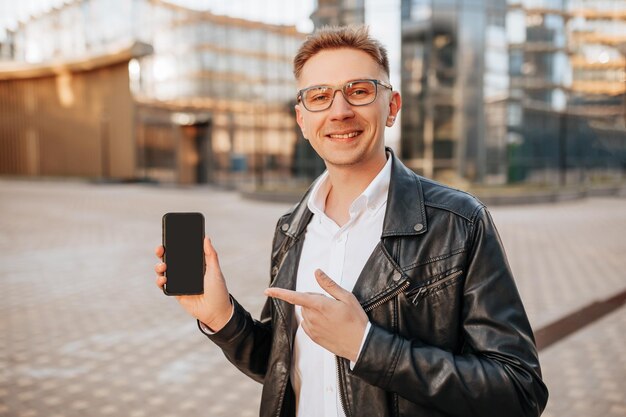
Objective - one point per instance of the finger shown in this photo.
(160, 268)
(307, 329)
(294, 297)
(304, 312)
(160, 281)
(159, 251)
(330, 286)
(309, 315)
(210, 254)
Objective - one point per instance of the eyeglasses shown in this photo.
(357, 93)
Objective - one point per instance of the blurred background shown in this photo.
(114, 112)
(495, 92)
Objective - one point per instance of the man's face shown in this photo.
(347, 135)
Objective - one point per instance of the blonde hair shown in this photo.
(335, 37)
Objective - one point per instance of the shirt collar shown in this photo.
(317, 199)
(376, 193)
(372, 198)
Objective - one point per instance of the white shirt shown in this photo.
(341, 252)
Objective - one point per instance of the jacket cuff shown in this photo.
(207, 330)
(236, 327)
(379, 356)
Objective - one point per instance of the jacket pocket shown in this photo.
(419, 292)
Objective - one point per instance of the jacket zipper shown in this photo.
(377, 303)
(339, 385)
(388, 296)
(414, 299)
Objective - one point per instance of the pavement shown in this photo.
(85, 331)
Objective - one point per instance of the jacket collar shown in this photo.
(405, 214)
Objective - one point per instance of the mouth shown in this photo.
(344, 135)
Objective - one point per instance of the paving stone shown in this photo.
(85, 328)
(586, 372)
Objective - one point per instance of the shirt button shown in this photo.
(418, 227)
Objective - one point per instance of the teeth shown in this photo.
(346, 136)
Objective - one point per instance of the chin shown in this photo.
(344, 160)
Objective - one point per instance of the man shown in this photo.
(390, 294)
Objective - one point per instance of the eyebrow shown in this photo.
(341, 83)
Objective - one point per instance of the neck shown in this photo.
(347, 183)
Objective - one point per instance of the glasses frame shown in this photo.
(341, 88)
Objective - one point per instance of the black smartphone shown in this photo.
(183, 240)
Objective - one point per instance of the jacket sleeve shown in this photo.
(497, 371)
(246, 342)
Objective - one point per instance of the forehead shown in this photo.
(336, 66)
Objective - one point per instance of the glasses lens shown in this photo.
(360, 93)
(357, 93)
(317, 98)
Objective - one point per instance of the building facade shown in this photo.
(494, 91)
(567, 86)
(70, 119)
(338, 12)
(597, 35)
(455, 87)
(506, 91)
(215, 98)
(544, 86)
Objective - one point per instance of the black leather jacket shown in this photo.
(449, 334)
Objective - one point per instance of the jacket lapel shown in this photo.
(405, 216)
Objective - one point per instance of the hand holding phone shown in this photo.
(213, 306)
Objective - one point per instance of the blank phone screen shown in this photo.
(183, 235)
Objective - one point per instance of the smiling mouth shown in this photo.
(344, 135)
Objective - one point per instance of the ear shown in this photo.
(395, 103)
(300, 120)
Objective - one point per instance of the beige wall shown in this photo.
(68, 123)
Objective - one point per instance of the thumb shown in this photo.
(330, 286)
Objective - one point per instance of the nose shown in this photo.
(340, 109)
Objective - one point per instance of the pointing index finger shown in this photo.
(294, 297)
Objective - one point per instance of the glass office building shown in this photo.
(455, 86)
(567, 86)
(338, 12)
(215, 98)
(494, 91)
(597, 36)
(519, 91)
(541, 78)
(499, 92)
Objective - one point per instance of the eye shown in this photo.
(359, 92)
(360, 89)
(318, 95)
(318, 98)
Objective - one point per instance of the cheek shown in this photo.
(310, 126)
(305, 130)
(377, 118)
